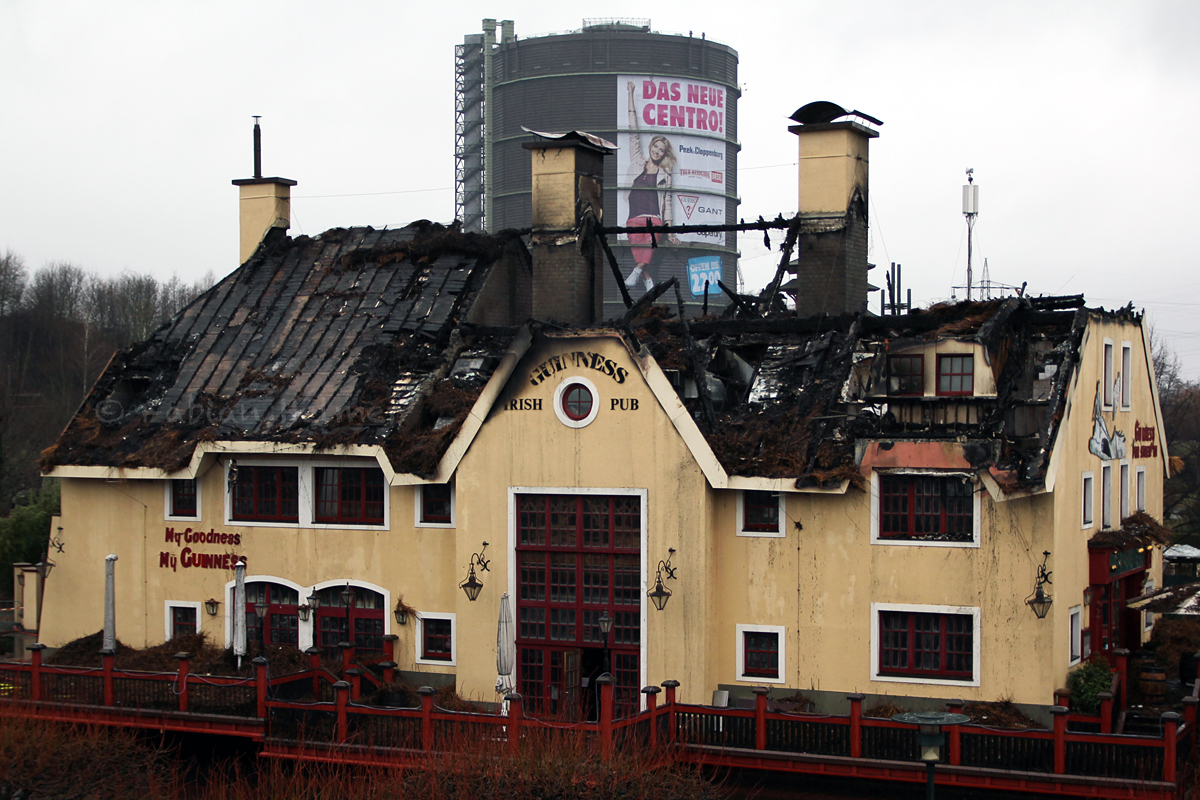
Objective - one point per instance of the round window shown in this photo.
(577, 402)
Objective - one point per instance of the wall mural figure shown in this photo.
(1102, 444)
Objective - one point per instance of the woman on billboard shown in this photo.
(650, 196)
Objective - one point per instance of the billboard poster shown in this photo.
(704, 269)
(670, 170)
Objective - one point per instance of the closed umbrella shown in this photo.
(239, 611)
(506, 647)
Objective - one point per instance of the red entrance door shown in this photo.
(577, 557)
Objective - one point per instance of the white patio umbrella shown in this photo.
(506, 647)
(239, 611)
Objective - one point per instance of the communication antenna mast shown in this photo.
(970, 211)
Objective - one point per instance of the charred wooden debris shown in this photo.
(388, 337)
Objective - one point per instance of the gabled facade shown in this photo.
(835, 504)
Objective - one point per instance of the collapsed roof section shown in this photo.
(355, 337)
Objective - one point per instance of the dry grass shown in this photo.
(886, 710)
(1171, 638)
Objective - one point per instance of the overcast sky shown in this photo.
(124, 122)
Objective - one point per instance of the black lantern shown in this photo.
(303, 612)
(314, 600)
(660, 594)
(472, 586)
(605, 622)
(1039, 601)
(260, 611)
(43, 568)
(930, 738)
(401, 615)
(1088, 594)
(211, 605)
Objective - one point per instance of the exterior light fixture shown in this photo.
(472, 586)
(314, 600)
(347, 596)
(1039, 601)
(402, 611)
(21, 578)
(660, 594)
(260, 609)
(1088, 594)
(605, 622)
(303, 612)
(43, 568)
(211, 605)
(930, 737)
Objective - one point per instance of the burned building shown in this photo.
(384, 421)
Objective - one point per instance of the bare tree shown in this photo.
(13, 278)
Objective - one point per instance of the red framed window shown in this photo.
(577, 402)
(267, 494)
(760, 511)
(956, 375)
(926, 645)
(353, 496)
(437, 503)
(906, 375)
(932, 507)
(760, 651)
(282, 620)
(183, 497)
(183, 621)
(437, 639)
(364, 617)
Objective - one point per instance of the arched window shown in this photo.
(364, 617)
(282, 620)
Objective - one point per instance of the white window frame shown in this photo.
(1107, 371)
(1087, 491)
(167, 621)
(419, 508)
(976, 511)
(168, 505)
(1126, 377)
(780, 533)
(306, 496)
(420, 639)
(973, 611)
(1140, 488)
(1074, 635)
(740, 653)
(1124, 477)
(567, 383)
(307, 627)
(1106, 490)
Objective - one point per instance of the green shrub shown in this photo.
(1086, 684)
(24, 532)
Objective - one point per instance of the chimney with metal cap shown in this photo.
(831, 270)
(265, 203)
(567, 198)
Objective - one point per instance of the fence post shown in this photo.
(672, 728)
(955, 707)
(1189, 711)
(1060, 738)
(343, 696)
(389, 671)
(184, 660)
(1122, 657)
(760, 717)
(314, 663)
(347, 652)
(515, 714)
(260, 683)
(856, 701)
(35, 675)
(1106, 711)
(427, 693)
(651, 693)
(355, 676)
(1062, 697)
(389, 647)
(606, 714)
(1170, 723)
(108, 657)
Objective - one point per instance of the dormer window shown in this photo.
(956, 375)
(906, 375)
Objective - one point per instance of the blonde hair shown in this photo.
(668, 159)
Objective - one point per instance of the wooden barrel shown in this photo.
(1153, 685)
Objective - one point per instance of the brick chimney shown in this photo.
(568, 191)
(831, 271)
(265, 203)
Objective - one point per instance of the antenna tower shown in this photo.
(970, 211)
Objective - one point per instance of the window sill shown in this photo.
(884, 540)
(927, 681)
(757, 679)
(762, 534)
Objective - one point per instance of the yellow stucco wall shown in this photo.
(817, 581)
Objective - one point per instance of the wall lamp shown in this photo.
(402, 610)
(1039, 601)
(211, 605)
(314, 602)
(472, 585)
(1088, 594)
(660, 594)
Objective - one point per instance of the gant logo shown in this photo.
(688, 201)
